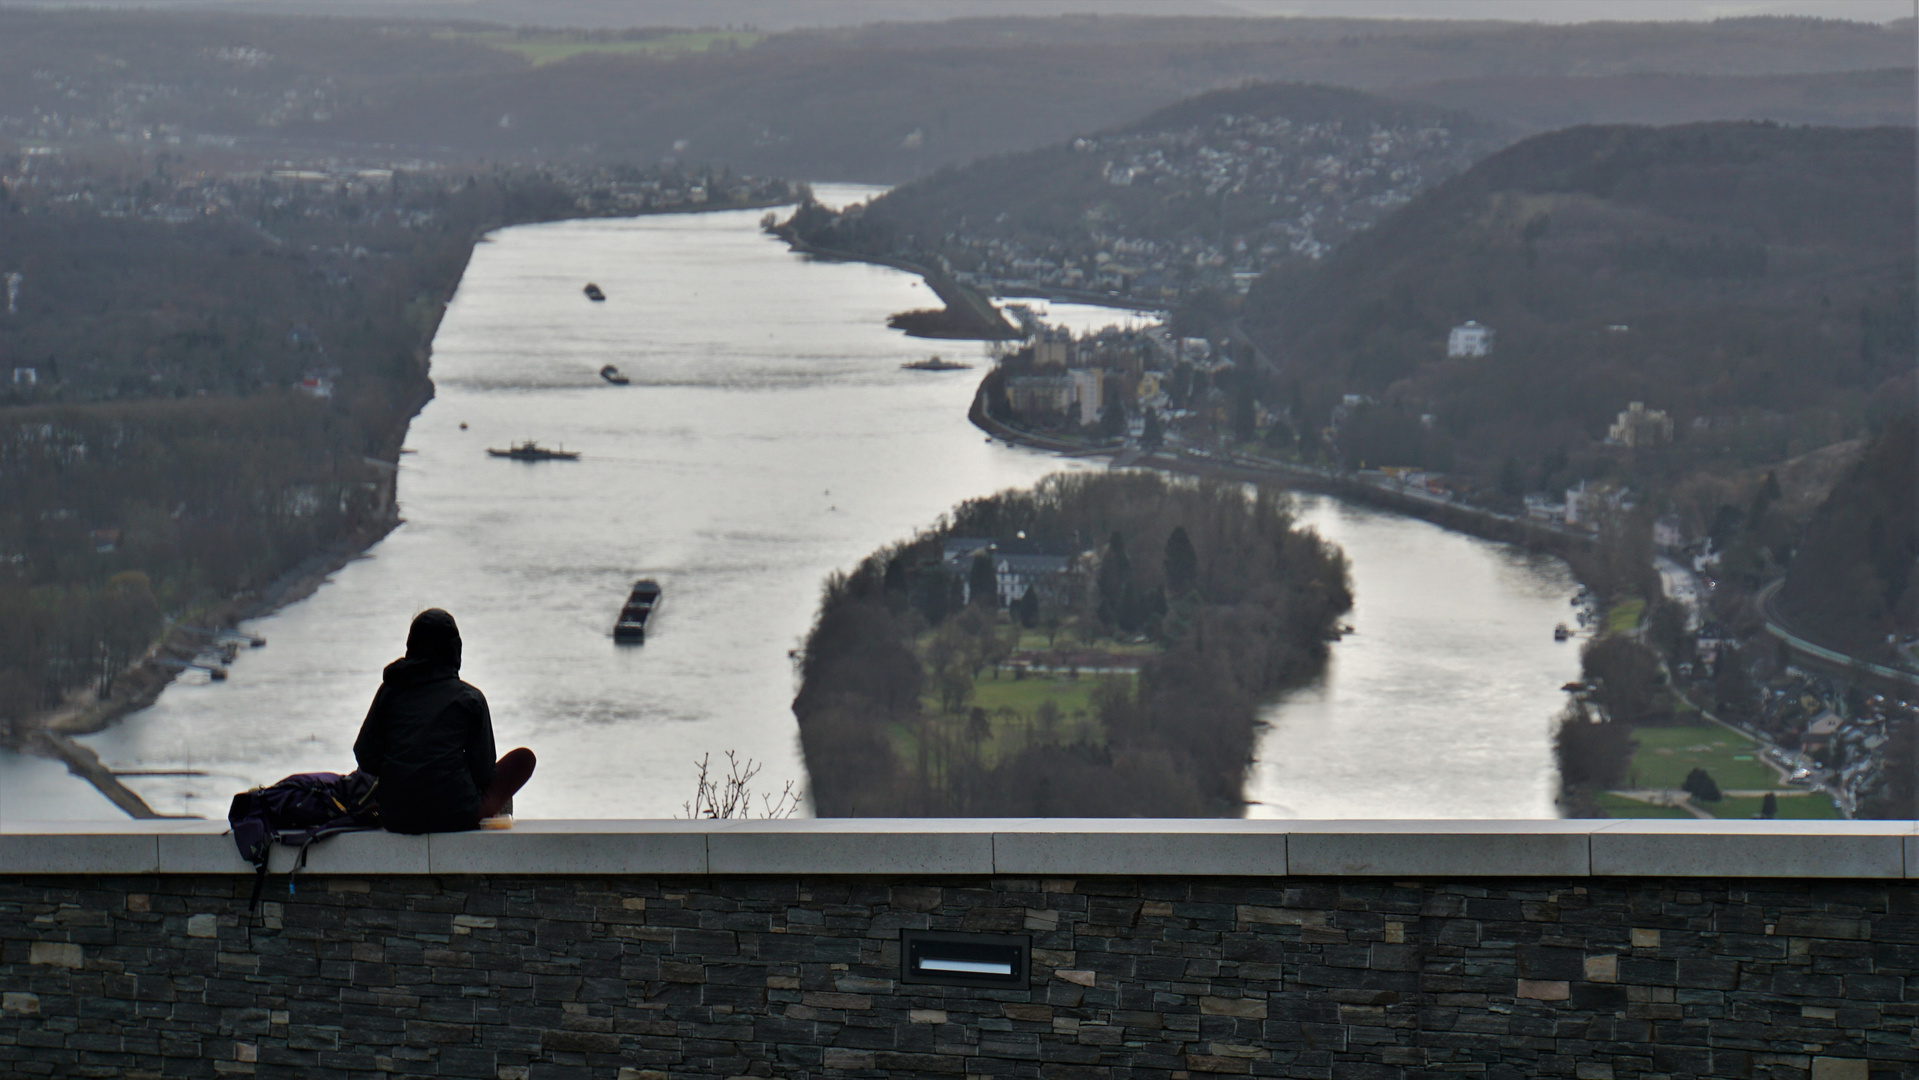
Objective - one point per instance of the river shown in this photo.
(769, 437)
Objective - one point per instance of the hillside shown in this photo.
(886, 102)
(1227, 183)
(1755, 282)
(1538, 103)
(1855, 580)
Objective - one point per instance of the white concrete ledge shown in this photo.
(1025, 847)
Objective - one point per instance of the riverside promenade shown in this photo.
(642, 950)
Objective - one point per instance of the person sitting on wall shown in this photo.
(428, 737)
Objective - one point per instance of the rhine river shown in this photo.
(769, 438)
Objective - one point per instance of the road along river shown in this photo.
(769, 437)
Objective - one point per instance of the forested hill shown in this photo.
(1756, 282)
(1230, 181)
(1854, 583)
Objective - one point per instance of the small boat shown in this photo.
(532, 451)
(639, 607)
(612, 374)
(934, 363)
(593, 293)
(1560, 633)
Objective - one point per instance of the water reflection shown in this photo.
(1439, 706)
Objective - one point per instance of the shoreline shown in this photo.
(1482, 524)
(52, 733)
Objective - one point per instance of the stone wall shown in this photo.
(643, 976)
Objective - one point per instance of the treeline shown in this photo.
(1238, 599)
(113, 515)
(164, 466)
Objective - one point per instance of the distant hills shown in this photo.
(1754, 281)
(885, 102)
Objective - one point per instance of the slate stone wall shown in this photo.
(644, 978)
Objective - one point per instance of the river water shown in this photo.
(769, 438)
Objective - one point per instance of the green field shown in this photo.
(1621, 807)
(1810, 807)
(1624, 617)
(1667, 754)
(551, 48)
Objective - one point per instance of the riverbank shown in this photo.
(968, 316)
(1383, 494)
(54, 733)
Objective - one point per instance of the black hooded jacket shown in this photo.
(428, 736)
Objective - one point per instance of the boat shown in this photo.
(934, 363)
(640, 605)
(532, 451)
(1560, 633)
(593, 293)
(612, 374)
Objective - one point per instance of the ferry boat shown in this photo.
(612, 374)
(641, 603)
(532, 451)
(593, 292)
(934, 363)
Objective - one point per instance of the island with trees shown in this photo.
(1096, 646)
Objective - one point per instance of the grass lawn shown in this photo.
(1071, 695)
(550, 48)
(1621, 807)
(1808, 807)
(1074, 697)
(1667, 754)
(1624, 616)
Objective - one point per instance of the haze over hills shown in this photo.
(878, 103)
(788, 14)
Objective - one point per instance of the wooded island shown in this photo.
(1097, 646)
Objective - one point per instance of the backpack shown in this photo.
(299, 811)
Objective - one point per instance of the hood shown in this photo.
(434, 640)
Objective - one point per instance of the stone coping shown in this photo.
(1025, 847)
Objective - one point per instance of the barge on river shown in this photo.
(532, 451)
(640, 606)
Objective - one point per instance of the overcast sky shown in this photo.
(783, 14)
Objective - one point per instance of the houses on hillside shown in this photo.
(1469, 339)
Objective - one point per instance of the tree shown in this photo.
(1112, 419)
(1625, 677)
(1154, 434)
(982, 581)
(1702, 786)
(1769, 806)
(1115, 573)
(1182, 562)
(1245, 415)
(1027, 607)
(1512, 482)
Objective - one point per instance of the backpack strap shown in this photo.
(259, 883)
(314, 836)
